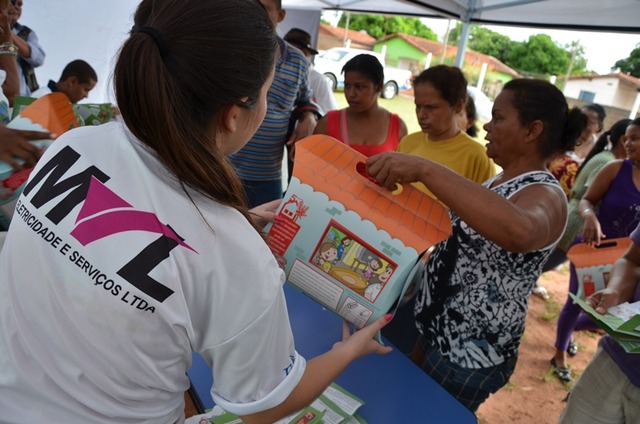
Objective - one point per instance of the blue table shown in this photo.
(393, 388)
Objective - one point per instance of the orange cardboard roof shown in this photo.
(329, 166)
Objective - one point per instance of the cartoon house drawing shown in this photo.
(294, 208)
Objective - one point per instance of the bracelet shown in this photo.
(586, 211)
(9, 48)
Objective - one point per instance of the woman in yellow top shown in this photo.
(440, 93)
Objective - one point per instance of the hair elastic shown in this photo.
(156, 35)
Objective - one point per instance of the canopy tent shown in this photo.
(586, 15)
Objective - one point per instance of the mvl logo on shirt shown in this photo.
(103, 214)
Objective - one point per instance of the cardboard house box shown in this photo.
(347, 242)
(593, 263)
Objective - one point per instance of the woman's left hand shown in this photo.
(265, 213)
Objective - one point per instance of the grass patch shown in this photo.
(552, 310)
(510, 387)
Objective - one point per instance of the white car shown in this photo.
(482, 102)
(330, 63)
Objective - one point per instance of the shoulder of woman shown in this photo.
(614, 164)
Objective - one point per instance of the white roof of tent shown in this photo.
(588, 15)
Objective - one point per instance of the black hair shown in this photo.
(540, 100)
(172, 87)
(79, 69)
(368, 65)
(472, 115)
(599, 110)
(448, 80)
(612, 135)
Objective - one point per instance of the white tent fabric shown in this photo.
(588, 15)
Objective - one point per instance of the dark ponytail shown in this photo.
(613, 136)
(184, 62)
(573, 126)
(540, 100)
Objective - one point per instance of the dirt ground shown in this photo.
(534, 394)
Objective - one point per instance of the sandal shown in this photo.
(563, 374)
(572, 349)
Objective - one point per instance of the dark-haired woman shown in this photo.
(565, 166)
(610, 208)
(610, 146)
(595, 124)
(468, 117)
(472, 307)
(132, 247)
(440, 94)
(364, 125)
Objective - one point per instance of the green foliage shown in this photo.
(379, 26)
(491, 43)
(631, 65)
(539, 55)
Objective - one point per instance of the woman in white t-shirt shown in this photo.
(131, 247)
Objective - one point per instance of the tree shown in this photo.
(577, 60)
(491, 43)
(631, 65)
(379, 26)
(539, 55)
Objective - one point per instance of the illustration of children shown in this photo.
(343, 246)
(372, 267)
(377, 283)
(327, 256)
(385, 275)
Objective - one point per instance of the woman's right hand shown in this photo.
(361, 342)
(15, 144)
(604, 299)
(592, 233)
(5, 24)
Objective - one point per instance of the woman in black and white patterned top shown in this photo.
(471, 309)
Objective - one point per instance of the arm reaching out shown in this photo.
(323, 369)
(529, 220)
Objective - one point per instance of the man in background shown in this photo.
(322, 94)
(259, 162)
(30, 54)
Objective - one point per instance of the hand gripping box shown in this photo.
(347, 242)
(593, 263)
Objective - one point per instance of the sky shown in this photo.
(79, 29)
